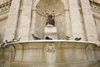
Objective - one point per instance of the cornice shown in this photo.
(96, 13)
(4, 15)
(96, 10)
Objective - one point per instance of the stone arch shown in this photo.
(37, 1)
(50, 6)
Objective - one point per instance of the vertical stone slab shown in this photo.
(33, 23)
(24, 28)
(12, 20)
(68, 22)
(89, 21)
(75, 19)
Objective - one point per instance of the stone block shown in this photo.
(50, 31)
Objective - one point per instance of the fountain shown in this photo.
(49, 53)
(70, 19)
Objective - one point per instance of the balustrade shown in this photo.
(5, 6)
(95, 5)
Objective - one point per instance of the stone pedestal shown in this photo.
(51, 32)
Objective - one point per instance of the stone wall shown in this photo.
(98, 27)
(61, 26)
(71, 19)
(96, 15)
(3, 20)
(2, 29)
(40, 23)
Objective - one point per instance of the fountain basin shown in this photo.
(50, 53)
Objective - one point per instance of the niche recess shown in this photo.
(48, 6)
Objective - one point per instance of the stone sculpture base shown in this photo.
(51, 32)
(74, 64)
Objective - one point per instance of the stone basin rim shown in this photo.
(52, 41)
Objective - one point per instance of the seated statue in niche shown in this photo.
(50, 20)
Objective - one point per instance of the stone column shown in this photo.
(75, 19)
(89, 21)
(12, 20)
(24, 27)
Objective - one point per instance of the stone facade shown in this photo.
(75, 18)
(66, 20)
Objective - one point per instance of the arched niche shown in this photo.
(37, 1)
(48, 6)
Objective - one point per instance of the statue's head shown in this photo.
(50, 15)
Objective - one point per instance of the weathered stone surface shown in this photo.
(88, 20)
(12, 20)
(50, 54)
(72, 17)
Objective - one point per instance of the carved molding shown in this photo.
(4, 15)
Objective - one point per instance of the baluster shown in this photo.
(99, 7)
(91, 3)
(95, 5)
(1, 7)
(5, 6)
(9, 4)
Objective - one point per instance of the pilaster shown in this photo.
(75, 19)
(89, 21)
(24, 28)
(68, 21)
(33, 23)
(12, 20)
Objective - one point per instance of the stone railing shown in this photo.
(5, 6)
(95, 5)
